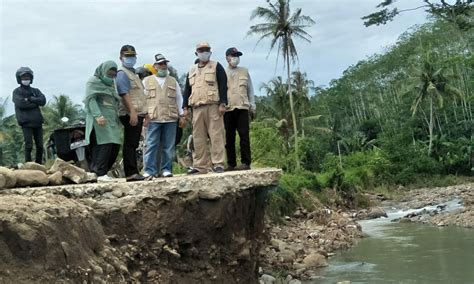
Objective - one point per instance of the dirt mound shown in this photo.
(178, 230)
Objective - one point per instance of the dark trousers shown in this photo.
(131, 140)
(37, 133)
(237, 120)
(103, 156)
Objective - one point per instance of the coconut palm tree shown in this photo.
(281, 27)
(432, 85)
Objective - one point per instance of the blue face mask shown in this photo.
(129, 62)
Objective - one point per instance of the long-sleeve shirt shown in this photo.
(221, 84)
(27, 101)
(179, 95)
(250, 93)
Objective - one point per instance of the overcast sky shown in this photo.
(63, 41)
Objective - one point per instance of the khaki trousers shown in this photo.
(208, 123)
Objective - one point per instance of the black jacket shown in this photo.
(27, 101)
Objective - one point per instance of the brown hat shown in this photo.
(203, 44)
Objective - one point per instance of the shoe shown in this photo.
(166, 174)
(194, 171)
(147, 176)
(135, 177)
(242, 167)
(229, 169)
(218, 169)
(105, 178)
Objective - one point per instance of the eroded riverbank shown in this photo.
(322, 235)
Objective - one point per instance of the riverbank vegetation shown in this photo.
(400, 118)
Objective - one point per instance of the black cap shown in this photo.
(233, 52)
(128, 50)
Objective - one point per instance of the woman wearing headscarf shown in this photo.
(102, 123)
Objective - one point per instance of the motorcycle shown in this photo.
(69, 143)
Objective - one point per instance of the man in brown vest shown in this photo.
(132, 110)
(206, 94)
(241, 103)
(164, 103)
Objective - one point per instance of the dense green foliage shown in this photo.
(388, 120)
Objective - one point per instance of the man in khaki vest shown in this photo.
(206, 94)
(164, 104)
(241, 104)
(132, 110)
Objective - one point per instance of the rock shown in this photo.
(56, 178)
(268, 279)
(151, 274)
(287, 255)
(278, 244)
(34, 166)
(376, 212)
(3, 181)
(209, 195)
(315, 260)
(30, 178)
(71, 172)
(10, 179)
(294, 281)
(296, 248)
(91, 177)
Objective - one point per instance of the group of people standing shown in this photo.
(220, 102)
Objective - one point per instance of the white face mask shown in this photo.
(25, 82)
(204, 56)
(234, 61)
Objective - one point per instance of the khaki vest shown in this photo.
(203, 82)
(237, 82)
(161, 101)
(136, 93)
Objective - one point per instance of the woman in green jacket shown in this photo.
(102, 122)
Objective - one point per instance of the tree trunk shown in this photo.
(431, 126)
(293, 115)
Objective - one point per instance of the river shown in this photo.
(405, 253)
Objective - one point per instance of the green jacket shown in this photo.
(102, 100)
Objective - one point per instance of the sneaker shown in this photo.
(166, 174)
(105, 178)
(135, 177)
(229, 169)
(242, 167)
(147, 176)
(194, 171)
(218, 169)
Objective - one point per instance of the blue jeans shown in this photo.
(160, 135)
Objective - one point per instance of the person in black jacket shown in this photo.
(27, 102)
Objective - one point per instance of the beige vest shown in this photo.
(161, 101)
(237, 82)
(203, 82)
(136, 93)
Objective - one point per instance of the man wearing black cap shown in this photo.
(132, 111)
(241, 103)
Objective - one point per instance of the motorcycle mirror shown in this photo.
(64, 119)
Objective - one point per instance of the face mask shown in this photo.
(234, 61)
(107, 80)
(162, 73)
(25, 82)
(129, 62)
(204, 56)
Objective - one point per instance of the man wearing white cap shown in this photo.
(206, 94)
(164, 104)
